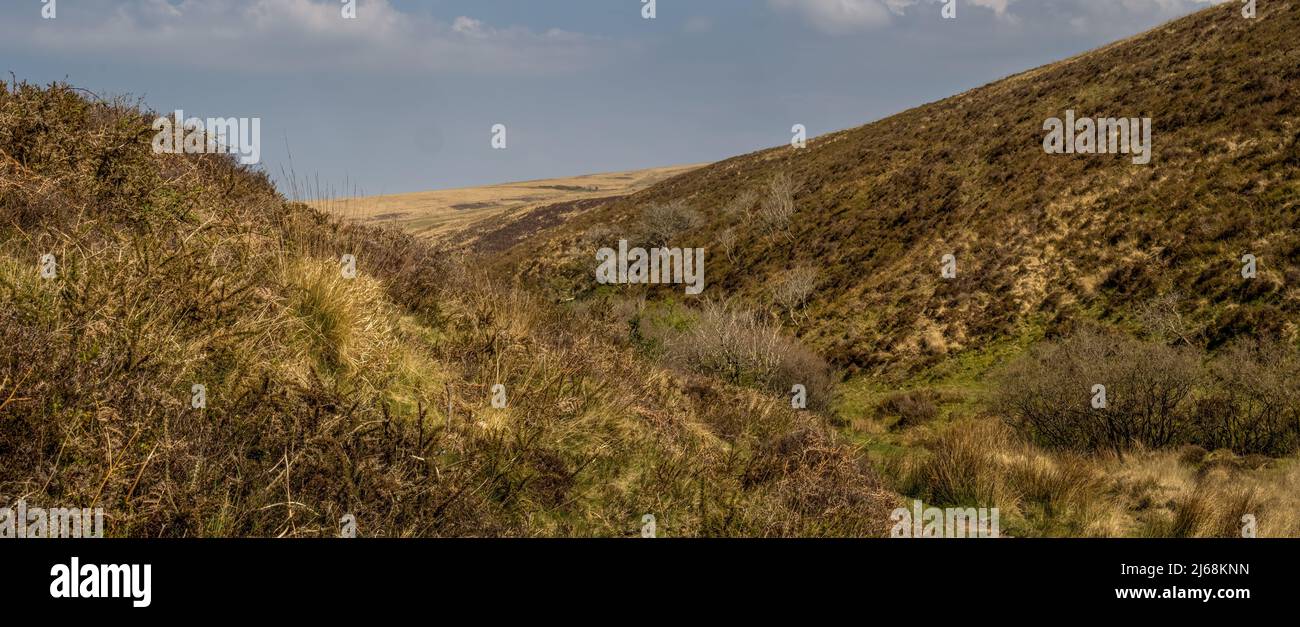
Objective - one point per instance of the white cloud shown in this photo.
(840, 17)
(299, 35)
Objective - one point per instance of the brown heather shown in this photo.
(1042, 241)
(329, 396)
(1072, 271)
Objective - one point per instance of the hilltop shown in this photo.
(463, 212)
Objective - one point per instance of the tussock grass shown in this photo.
(329, 396)
(981, 462)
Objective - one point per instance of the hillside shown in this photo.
(1041, 241)
(1098, 366)
(466, 211)
(187, 350)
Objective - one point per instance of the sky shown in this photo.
(405, 96)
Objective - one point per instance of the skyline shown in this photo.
(582, 86)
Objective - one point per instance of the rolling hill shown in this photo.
(1040, 241)
(1171, 285)
(464, 211)
(189, 350)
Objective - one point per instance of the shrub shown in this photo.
(727, 240)
(913, 407)
(1046, 394)
(662, 222)
(778, 206)
(738, 348)
(1253, 401)
(1163, 320)
(794, 288)
(739, 207)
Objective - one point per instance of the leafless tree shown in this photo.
(664, 221)
(778, 206)
(793, 289)
(740, 206)
(1148, 387)
(727, 240)
(1163, 319)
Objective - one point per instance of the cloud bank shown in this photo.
(295, 35)
(845, 17)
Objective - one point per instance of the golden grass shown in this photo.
(329, 395)
(1169, 493)
(441, 213)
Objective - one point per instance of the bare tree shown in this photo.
(1251, 403)
(1163, 320)
(727, 239)
(663, 221)
(741, 205)
(1148, 388)
(792, 291)
(778, 206)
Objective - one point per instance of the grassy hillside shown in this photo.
(328, 394)
(1041, 241)
(371, 395)
(1072, 270)
(465, 211)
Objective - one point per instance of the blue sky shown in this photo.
(403, 98)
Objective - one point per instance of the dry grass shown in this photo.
(980, 462)
(1170, 494)
(329, 395)
(447, 215)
